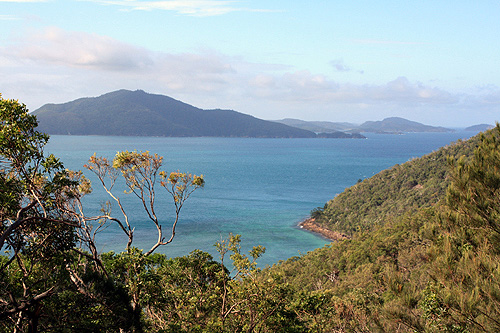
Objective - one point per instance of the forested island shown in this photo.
(419, 250)
(137, 113)
(387, 125)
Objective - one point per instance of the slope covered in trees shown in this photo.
(138, 113)
(432, 267)
(402, 189)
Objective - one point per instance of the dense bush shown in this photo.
(390, 194)
(423, 253)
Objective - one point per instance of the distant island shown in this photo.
(340, 135)
(137, 113)
(319, 126)
(392, 125)
(397, 125)
(479, 128)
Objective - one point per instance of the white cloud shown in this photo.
(55, 66)
(79, 49)
(304, 86)
(185, 7)
(485, 98)
(111, 64)
(403, 91)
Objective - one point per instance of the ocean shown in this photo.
(258, 188)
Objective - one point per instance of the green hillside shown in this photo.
(404, 188)
(137, 113)
(424, 248)
(423, 253)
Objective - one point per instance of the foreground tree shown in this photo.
(38, 232)
(52, 276)
(142, 175)
(465, 294)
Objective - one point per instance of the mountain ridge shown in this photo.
(387, 125)
(398, 124)
(137, 113)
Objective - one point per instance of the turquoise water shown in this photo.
(259, 188)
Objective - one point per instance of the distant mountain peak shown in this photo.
(388, 125)
(138, 113)
(398, 124)
(479, 127)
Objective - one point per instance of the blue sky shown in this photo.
(436, 62)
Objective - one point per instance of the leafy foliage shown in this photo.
(432, 268)
(467, 269)
(52, 276)
(400, 190)
(37, 231)
(141, 171)
(423, 253)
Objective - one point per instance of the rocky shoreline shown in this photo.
(311, 225)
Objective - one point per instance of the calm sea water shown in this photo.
(259, 188)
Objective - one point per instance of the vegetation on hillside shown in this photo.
(434, 267)
(402, 189)
(423, 253)
(154, 115)
(398, 125)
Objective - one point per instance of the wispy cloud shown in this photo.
(339, 66)
(8, 18)
(185, 7)
(485, 96)
(95, 63)
(23, 1)
(302, 86)
(77, 49)
(77, 64)
(385, 42)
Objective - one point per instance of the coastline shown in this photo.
(311, 225)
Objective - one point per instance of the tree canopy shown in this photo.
(423, 253)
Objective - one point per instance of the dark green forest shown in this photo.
(154, 115)
(422, 253)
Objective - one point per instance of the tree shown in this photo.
(141, 171)
(52, 276)
(38, 227)
(466, 272)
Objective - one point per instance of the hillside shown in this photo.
(137, 113)
(398, 125)
(399, 190)
(388, 125)
(423, 249)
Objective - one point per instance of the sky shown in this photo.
(435, 62)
